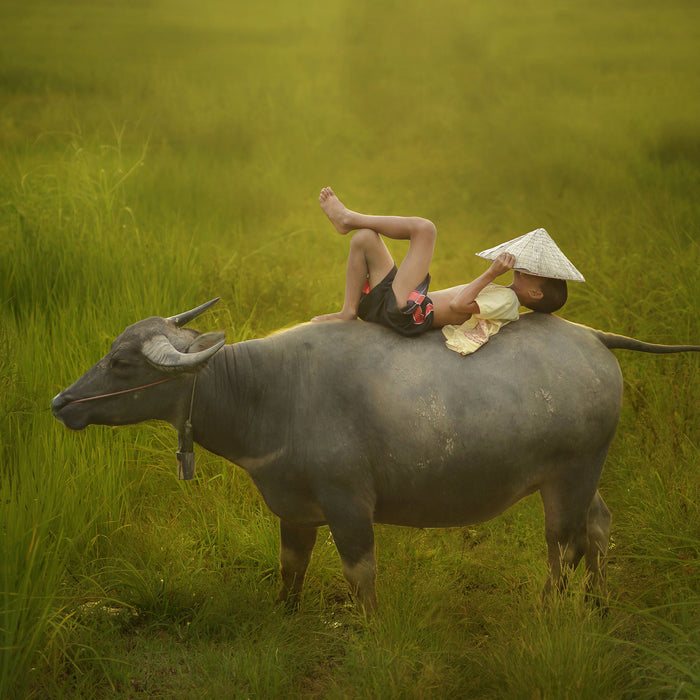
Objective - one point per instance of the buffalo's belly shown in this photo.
(451, 499)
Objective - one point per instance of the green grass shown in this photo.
(153, 156)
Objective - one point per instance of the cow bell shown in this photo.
(185, 465)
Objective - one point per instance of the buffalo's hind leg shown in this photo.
(576, 525)
(296, 545)
(599, 520)
(566, 532)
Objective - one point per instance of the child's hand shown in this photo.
(502, 263)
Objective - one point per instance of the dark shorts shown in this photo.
(378, 305)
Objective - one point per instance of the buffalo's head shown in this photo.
(145, 375)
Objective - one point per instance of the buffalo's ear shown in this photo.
(205, 341)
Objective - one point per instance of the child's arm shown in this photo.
(465, 301)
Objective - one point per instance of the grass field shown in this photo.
(154, 154)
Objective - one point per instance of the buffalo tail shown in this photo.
(622, 342)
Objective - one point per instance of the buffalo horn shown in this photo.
(161, 353)
(187, 316)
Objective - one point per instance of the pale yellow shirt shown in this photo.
(498, 306)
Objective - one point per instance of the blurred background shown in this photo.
(157, 153)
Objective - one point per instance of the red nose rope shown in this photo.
(123, 391)
(185, 455)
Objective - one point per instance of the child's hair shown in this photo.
(554, 295)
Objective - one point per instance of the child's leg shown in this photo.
(368, 258)
(420, 232)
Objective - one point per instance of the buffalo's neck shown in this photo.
(241, 400)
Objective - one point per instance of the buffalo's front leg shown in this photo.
(353, 534)
(361, 574)
(297, 543)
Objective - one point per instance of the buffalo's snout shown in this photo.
(57, 403)
(71, 419)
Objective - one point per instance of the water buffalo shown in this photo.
(348, 424)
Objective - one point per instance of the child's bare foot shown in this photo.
(338, 316)
(336, 211)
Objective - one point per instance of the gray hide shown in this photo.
(348, 424)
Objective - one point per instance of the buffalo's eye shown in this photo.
(120, 365)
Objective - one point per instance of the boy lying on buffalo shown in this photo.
(377, 291)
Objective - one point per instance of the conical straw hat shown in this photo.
(538, 254)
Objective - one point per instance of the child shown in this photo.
(376, 291)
